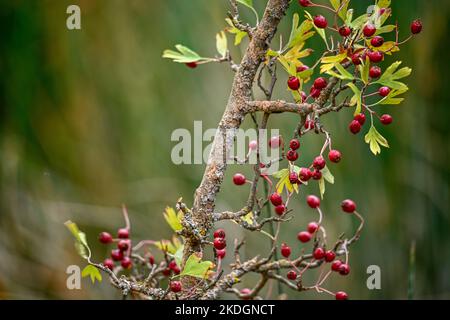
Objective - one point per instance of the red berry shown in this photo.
(361, 118)
(320, 83)
(192, 65)
(302, 68)
(330, 256)
(123, 233)
(377, 41)
(304, 3)
(126, 263)
(292, 155)
(285, 250)
(220, 243)
(176, 270)
(293, 83)
(280, 209)
(375, 72)
(386, 119)
(313, 201)
(166, 272)
(304, 96)
(109, 264)
(356, 59)
(319, 163)
(384, 91)
(355, 127)
(320, 22)
(309, 124)
(334, 156)
(175, 286)
(294, 144)
(375, 56)
(239, 179)
(293, 177)
(319, 254)
(292, 275)
(276, 199)
(172, 265)
(219, 233)
(369, 30)
(221, 253)
(116, 255)
(312, 227)
(314, 92)
(345, 31)
(317, 175)
(305, 174)
(246, 292)
(123, 245)
(341, 295)
(275, 142)
(416, 26)
(304, 236)
(344, 269)
(253, 145)
(105, 238)
(336, 265)
(151, 260)
(348, 206)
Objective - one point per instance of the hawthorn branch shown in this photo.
(280, 107)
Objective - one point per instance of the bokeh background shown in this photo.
(85, 124)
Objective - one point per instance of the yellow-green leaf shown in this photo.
(335, 59)
(364, 69)
(357, 96)
(221, 44)
(92, 272)
(249, 218)
(195, 267)
(81, 245)
(184, 55)
(375, 140)
(173, 219)
(239, 34)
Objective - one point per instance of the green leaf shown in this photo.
(239, 34)
(391, 98)
(92, 272)
(391, 74)
(221, 44)
(345, 74)
(385, 29)
(247, 3)
(349, 18)
(364, 69)
(249, 218)
(178, 255)
(81, 245)
(341, 8)
(375, 140)
(357, 97)
(185, 55)
(322, 187)
(299, 34)
(168, 246)
(285, 183)
(334, 59)
(326, 174)
(384, 3)
(194, 267)
(306, 74)
(173, 219)
(359, 22)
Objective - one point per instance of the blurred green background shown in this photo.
(85, 125)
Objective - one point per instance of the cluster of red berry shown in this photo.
(123, 251)
(220, 243)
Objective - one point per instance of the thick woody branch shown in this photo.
(279, 107)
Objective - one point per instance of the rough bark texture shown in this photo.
(236, 109)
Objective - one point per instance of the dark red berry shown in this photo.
(356, 59)
(116, 255)
(123, 245)
(275, 142)
(304, 236)
(293, 83)
(175, 286)
(304, 3)
(341, 295)
(291, 155)
(309, 124)
(345, 31)
(126, 263)
(375, 56)
(313, 201)
(292, 275)
(386, 119)
(302, 68)
(293, 177)
(166, 272)
(276, 199)
(172, 265)
(192, 65)
(361, 118)
(319, 254)
(334, 156)
(320, 83)
(384, 91)
(348, 206)
(151, 260)
(176, 270)
(335, 266)
(355, 127)
(416, 27)
(312, 227)
(123, 233)
(377, 41)
(375, 72)
(221, 253)
(239, 179)
(280, 209)
(369, 30)
(109, 264)
(320, 22)
(305, 174)
(105, 238)
(285, 250)
(344, 269)
(319, 163)
(294, 144)
(219, 233)
(220, 243)
(314, 92)
(330, 256)
(317, 175)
